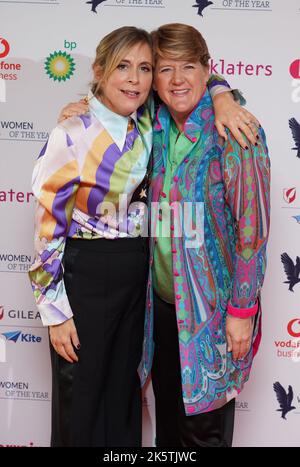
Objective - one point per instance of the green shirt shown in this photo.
(179, 147)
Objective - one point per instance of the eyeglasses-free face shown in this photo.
(128, 86)
(180, 85)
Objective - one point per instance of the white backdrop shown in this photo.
(255, 45)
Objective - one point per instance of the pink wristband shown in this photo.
(242, 312)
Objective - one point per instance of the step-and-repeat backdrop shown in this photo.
(46, 51)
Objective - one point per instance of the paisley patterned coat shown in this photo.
(220, 194)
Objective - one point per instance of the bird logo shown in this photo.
(292, 270)
(201, 5)
(295, 128)
(297, 219)
(285, 399)
(95, 3)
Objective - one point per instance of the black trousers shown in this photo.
(97, 401)
(173, 427)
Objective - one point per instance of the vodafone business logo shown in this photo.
(293, 327)
(4, 47)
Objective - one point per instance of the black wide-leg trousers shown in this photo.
(97, 401)
(173, 427)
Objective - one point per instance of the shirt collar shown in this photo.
(114, 124)
(194, 123)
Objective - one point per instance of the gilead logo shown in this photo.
(4, 47)
(293, 327)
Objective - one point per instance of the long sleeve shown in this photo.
(247, 181)
(218, 84)
(55, 182)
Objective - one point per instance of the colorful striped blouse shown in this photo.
(87, 163)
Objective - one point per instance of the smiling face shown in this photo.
(180, 85)
(129, 84)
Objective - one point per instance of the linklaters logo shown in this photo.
(59, 66)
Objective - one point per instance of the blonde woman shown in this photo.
(89, 276)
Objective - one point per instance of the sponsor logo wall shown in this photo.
(45, 62)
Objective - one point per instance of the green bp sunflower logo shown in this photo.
(59, 66)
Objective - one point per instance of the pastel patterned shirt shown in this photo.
(87, 163)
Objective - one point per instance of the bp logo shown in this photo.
(59, 66)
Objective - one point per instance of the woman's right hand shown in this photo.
(73, 109)
(64, 338)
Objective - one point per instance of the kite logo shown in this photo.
(59, 66)
(15, 335)
(12, 336)
(4, 47)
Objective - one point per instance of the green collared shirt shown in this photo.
(179, 148)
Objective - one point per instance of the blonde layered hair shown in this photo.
(178, 41)
(112, 49)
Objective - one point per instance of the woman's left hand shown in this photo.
(239, 336)
(236, 118)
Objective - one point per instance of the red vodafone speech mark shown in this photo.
(295, 69)
(4, 48)
(291, 328)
